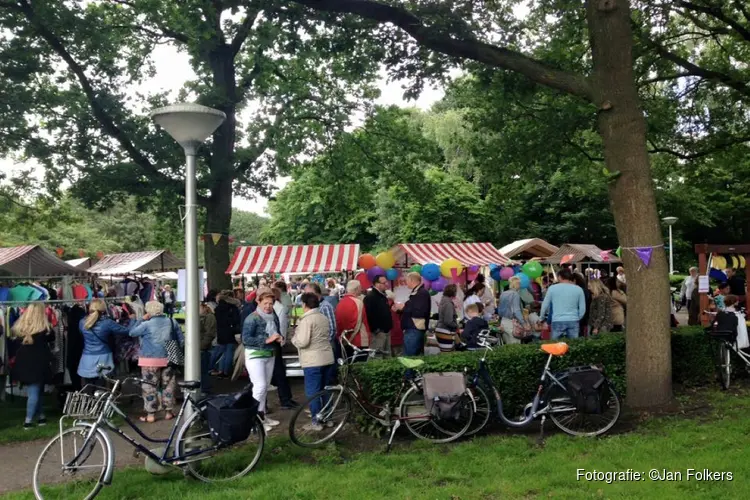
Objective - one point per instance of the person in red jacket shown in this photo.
(350, 315)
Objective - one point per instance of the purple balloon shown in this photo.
(375, 271)
(426, 284)
(473, 269)
(507, 273)
(439, 284)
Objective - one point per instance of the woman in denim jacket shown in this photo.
(154, 333)
(97, 329)
(259, 332)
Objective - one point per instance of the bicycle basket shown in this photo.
(443, 394)
(231, 417)
(82, 405)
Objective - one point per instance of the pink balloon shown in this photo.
(507, 273)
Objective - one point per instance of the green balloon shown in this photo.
(532, 269)
(416, 268)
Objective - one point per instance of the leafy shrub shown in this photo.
(516, 368)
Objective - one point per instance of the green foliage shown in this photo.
(247, 227)
(516, 368)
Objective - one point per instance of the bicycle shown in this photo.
(727, 344)
(336, 408)
(552, 399)
(89, 464)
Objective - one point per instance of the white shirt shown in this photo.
(743, 342)
(687, 287)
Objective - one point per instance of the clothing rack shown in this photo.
(62, 301)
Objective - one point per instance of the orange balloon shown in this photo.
(366, 261)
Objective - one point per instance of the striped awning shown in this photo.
(141, 262)
(469, 254)
(34, 261)
(294, 259)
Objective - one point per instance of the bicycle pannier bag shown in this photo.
(444, 394)
(588, 389)
(231, 417)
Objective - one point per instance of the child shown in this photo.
(721, 292)
(535, 321)
(475, 323)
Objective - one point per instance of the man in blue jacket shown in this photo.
(568, 305)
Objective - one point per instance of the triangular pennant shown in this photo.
(60, 251)
(215, 237)
(644, 253)
(567, 258)
(604, 254)
(618, 252)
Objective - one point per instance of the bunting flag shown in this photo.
(216, 237)
(100, 255)
(645, 253)
(81, 252)
(567, 258)
(618, 252)
(604, 254)
(60, 251)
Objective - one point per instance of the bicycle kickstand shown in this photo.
(540, 440)
(395, 427)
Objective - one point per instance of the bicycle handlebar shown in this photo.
(102, 370)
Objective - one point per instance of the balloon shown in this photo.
(439, 284)
(735, 262)
(375, 271)
(504, 284)
(416, 268)
(506, 273)
(363, 280)
(525, 280)
(391, 274)
(495, 273)
(426, 284)
(718, 262)
(742, 261)
(451, 267)
(473, 269)
(367, 261)
(430, 271)
(532, 269)
(385, 260)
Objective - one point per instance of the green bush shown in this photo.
(677, 279)
(516, 368)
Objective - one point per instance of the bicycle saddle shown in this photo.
(410, 363)
(558, 349)
(189, 384)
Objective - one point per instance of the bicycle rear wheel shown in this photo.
(71, 467)
(565, 415)
(211, 465)
(421, 423)
(335, 408)
(481, 413)
(724, 365)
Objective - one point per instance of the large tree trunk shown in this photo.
(622, 127)
(218, 218)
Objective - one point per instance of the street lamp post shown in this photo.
(669, 221)
(190, 125)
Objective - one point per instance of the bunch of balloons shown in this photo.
(380, 265)
(529, 272)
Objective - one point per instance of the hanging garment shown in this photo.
(74, 344)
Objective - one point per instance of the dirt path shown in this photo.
(19, 459)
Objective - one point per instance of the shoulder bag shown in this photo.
(175, 355)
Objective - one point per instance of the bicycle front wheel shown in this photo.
(423, 425)
(211, 464)
(308, 430)
(70, 466)
(724, 366)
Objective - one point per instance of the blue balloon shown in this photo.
(525, 280)
(495, 273)
(430, 271)
(391, 274)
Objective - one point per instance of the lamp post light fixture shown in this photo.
(669, 221)
(190, 125)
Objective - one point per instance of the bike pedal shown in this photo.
(136, 454)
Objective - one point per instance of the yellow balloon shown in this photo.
(719, 262)
(735, 262)
(451, 266)
(742, 261)
(386, 260)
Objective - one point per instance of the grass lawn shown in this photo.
(13, 414)
(709, 432)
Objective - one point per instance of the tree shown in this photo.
(70, 99)
(609, 85)
(247, 227)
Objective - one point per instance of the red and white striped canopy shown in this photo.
(294, 259)
(468, 254)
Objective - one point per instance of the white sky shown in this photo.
(173, 70)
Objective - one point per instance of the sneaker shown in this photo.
(267, 428)
(42, 421)
(28, 425)
(272, 388)
(290, 405)
(308, 413)
(271, 422)
(313, 427)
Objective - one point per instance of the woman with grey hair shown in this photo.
(154, 332)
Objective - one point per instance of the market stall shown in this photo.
(294, 259)
(468, 254)
(82, 263)
(532, 248)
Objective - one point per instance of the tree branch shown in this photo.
(719, 15)
(699, 154)
(105, 120)
(165, 32)
(244, 30)
(666, 78)
(439, 41)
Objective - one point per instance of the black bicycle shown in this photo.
(553, 398)
(81, 459)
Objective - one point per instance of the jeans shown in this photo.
(413, 342)
(226, 353)
(34, 402)
(206, 356)
(569, 329)
(315, 381)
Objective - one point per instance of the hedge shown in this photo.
(516, 368)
